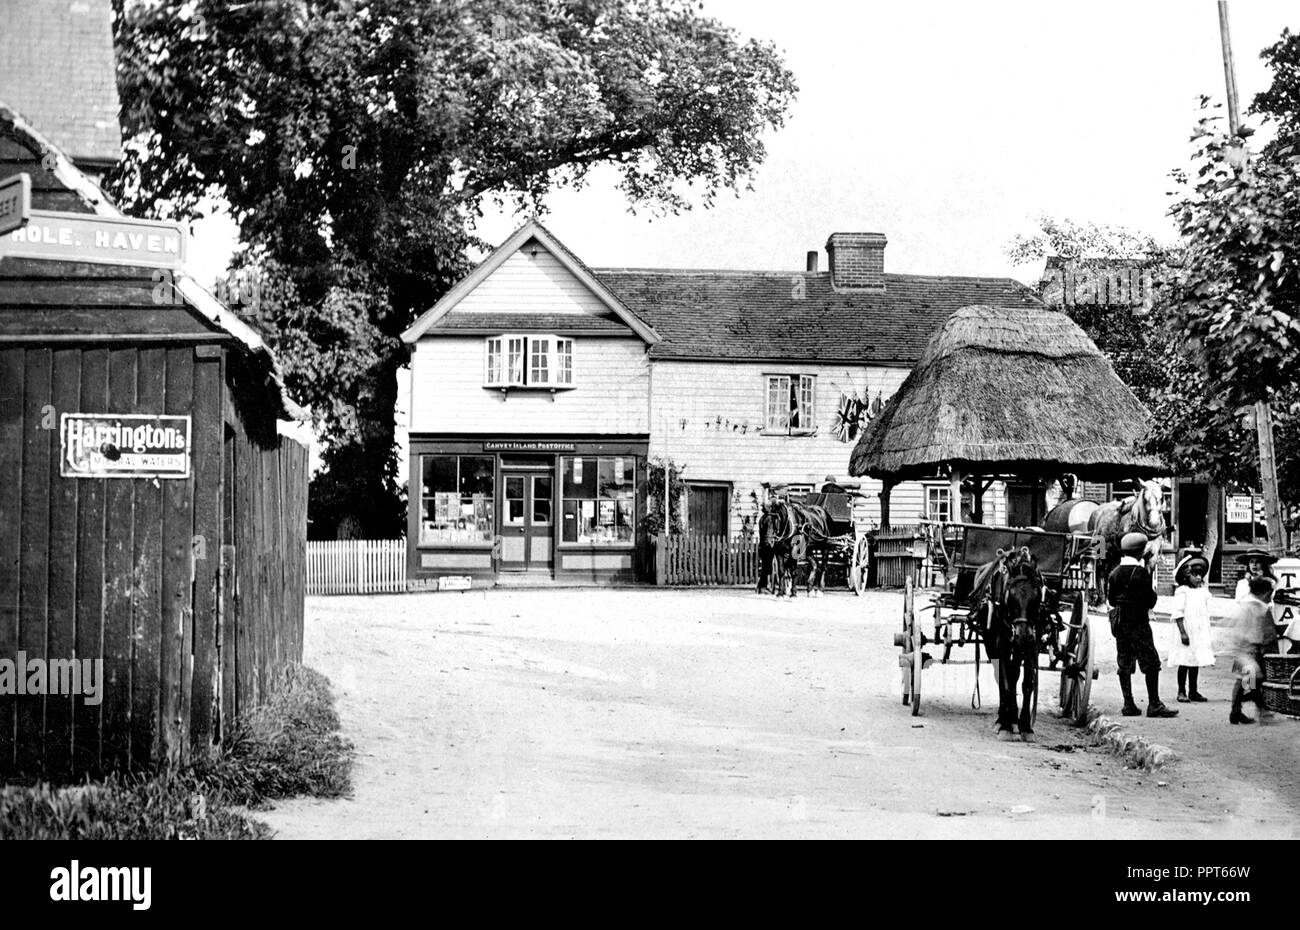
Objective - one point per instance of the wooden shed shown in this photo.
(152, 504)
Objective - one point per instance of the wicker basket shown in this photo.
(1277, 697)
(1280, 668)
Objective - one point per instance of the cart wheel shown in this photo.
(1077, 665)
(915, 640)
(858, 572)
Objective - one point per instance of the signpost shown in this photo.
(15, 203)
(79, 237)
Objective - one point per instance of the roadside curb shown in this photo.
(1137, 751)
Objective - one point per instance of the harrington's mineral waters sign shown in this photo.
(104, 445)
(74, 237)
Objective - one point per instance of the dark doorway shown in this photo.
(708, 508)
(1190, 519)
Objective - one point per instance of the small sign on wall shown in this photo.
(127, 445)
(1238, 508)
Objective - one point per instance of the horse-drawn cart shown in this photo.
(818, 531)
(979, 606)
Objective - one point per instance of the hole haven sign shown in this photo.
(128, 445)
(76, 237)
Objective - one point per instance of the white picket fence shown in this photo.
(356, 566)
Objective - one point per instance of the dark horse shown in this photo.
(789, 533)
(1014, 623)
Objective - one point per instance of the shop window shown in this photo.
(790, 404)
(528, 362)
(598, 496)
(1244, 522)
(456, 499)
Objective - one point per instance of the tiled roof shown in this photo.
(756, 315)
(466, 322)
(57, 71)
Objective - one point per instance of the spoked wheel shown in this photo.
(915, 640)
(858, 571)
(1078, 665)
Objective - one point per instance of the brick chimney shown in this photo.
(857, 261)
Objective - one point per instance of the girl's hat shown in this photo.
(1187, 561)
(1133, 542)
(1259, 554)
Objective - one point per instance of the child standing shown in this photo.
(1259, 564)
(1253, 635)
(1132, 596)
(1191, 612)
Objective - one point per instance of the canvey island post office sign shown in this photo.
(128, 445)
(74, 237)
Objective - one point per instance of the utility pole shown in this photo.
(1263, 411)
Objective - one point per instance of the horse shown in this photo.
(776, 533)
(1140, 513)
(789, 533)
(1013, 628)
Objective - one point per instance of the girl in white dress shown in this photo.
(1191, 613)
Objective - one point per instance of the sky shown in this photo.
(946, 126)
(949, 127)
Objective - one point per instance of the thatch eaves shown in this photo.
(1008, 391)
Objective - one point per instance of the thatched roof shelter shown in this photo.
(1008, 391)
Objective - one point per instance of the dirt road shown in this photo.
(671, 713)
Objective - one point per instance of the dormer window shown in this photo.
(528, 361)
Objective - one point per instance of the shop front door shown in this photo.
(527, 518)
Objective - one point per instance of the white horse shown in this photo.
(1140, 513)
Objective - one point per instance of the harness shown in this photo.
(1141, 523)
(983, 598)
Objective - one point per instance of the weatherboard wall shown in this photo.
(610, 393)
(709, 417)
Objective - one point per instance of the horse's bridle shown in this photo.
(1001, 602)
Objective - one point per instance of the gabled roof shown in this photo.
(530, 230)
(1016, 391)
(196, 296)
(799, 316)
(57, 69)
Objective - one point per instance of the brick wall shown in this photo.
(857, 260)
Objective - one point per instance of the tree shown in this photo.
(1144, 348)
(1235, 295)
(357, 143)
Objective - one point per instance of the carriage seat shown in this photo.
(839, 511)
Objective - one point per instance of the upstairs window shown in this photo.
(790, 404)
(528, 361)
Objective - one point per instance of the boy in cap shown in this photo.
(1132, 594)
(1253, 635)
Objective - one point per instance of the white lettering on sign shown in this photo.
(111, 240)
(94, 445)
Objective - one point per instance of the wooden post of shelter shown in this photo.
(954, 494)
(885, 490)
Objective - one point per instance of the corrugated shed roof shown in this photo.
(57, 70)
(760, 314)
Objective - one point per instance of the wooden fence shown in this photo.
(356, 566)
(692, 559)
(893, 556)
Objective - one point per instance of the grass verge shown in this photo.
(288, 747)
